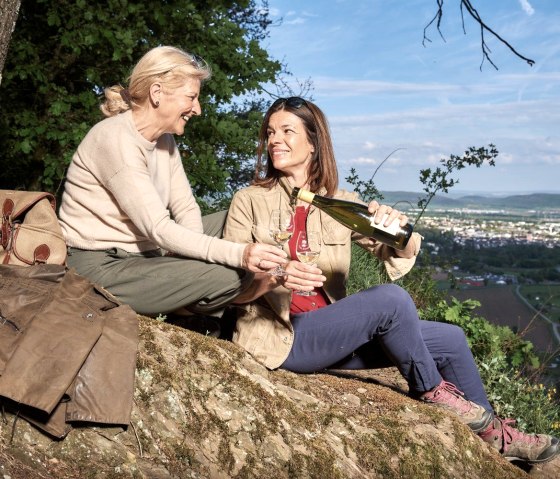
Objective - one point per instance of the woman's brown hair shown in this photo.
(323, 172)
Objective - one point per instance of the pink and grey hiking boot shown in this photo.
(447, 396)
(515, 445)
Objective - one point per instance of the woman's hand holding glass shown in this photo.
(300, 276)
(308, 248)
(281, 229)
(261, 257)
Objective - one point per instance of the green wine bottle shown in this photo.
(357, 217)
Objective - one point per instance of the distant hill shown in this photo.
(534, 201)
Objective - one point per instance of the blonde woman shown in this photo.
(128, 213)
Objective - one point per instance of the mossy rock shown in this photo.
(203, 408)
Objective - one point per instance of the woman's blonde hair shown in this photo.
(169, 65)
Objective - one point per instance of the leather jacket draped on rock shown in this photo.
(67, 349)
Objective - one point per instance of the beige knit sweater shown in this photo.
(124, 191)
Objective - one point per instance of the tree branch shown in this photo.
(467, 5)
(438, 16)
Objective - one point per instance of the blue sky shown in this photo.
(382, 90)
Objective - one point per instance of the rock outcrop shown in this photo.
(204, 409)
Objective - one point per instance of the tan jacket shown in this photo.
(263, 327)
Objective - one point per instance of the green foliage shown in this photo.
(487, 341)
(62, 54)
(365, 188)
(439, 179)
(367, 271)
(532, 404)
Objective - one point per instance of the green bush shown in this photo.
(487, 341)
(366, 271)
(533, 405)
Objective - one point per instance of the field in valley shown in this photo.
(501, 305)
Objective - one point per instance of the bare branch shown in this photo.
(467, 5)
(485, 50)
(386, 158)
(438, 16)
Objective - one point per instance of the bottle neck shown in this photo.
(306, 195)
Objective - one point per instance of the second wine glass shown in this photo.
(281, 229)
(308, 248)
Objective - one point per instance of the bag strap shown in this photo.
(7, 210)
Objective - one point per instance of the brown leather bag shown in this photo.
(30, 232)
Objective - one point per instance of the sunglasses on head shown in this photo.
(195, 60)
(293, 102)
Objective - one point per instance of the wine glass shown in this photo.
(308, 248)
(281, 229)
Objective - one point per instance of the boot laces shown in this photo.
(511, 434)
(449, 394)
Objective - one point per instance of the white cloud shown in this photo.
(361, 87)
(429, 144)
(306, 13)
(527, 7)
(433, 158)
(509, 84)
(505, 159)
(362, 161)
(523, 132)
(295, 21)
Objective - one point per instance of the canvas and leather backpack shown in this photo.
(30, 233)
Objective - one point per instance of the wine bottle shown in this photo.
(357, 217)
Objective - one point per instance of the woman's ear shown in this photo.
(155, 93)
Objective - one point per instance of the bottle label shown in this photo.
(392, 229)
(306, 196)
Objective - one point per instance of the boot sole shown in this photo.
(534, 461)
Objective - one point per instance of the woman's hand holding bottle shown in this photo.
(386, 215)
(379, 211)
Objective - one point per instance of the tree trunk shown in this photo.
(8, 15)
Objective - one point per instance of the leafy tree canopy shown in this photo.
(62, 54)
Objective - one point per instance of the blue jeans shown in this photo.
(379, 327)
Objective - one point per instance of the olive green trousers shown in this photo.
(152, 283)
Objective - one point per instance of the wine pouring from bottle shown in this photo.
(357, 217)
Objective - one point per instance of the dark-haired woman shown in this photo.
(375, 327)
